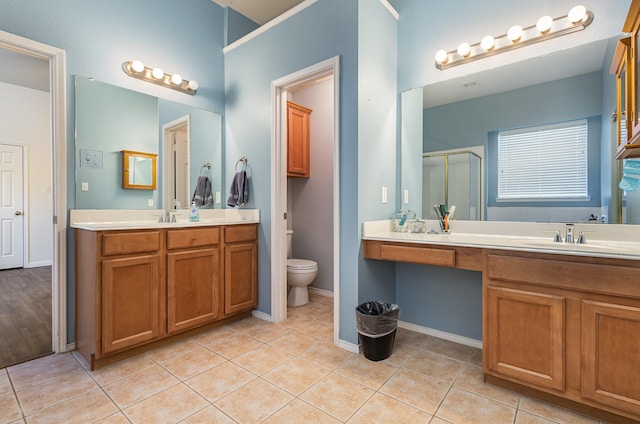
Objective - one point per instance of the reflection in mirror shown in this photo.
(110, 119)
(138, 170)
(558, 87)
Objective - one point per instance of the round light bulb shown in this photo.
(464, 49)
(441, 56)
(193, 85)
(544, 24)
(487, 43)
(577, 14)
(157, 73)
(137, 66)
(514, 33)
(176, 79)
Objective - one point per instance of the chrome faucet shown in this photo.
(569, 236)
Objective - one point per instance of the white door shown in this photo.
(11, 214)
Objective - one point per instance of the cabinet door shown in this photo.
(298, 140)
(525, 336)
(130, 301)
(193, 288)
(611, 355)
(240, 277)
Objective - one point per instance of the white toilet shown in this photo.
(300, 273)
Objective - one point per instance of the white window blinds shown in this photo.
(543, 163)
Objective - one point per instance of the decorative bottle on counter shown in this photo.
(194, 215)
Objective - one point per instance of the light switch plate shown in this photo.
(90, 158)
(384, 195)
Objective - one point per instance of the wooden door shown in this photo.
(525, 340)
(11, 205)
(130, 301)
(611, 355)
(240, 277)
(193, 288)
(298, 140)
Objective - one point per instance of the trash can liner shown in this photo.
(377, 319)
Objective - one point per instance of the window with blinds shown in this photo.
(543, 163)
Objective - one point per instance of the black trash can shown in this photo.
(377, 325)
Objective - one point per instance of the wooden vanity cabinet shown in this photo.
(240, 268)
(298, 140)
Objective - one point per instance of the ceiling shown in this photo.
(259, 11)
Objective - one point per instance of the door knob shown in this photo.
(18, 213)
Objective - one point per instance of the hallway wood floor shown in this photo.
(25, 314)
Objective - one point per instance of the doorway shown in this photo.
(282, 90)
(57, 178)
(175, 179)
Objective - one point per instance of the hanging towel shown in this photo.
(239, 191)
(202, 194)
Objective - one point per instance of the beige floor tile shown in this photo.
(554, 413)
(208, 415)
(87, 408)
(293, 342)
(262, 359)
(232, 346)
(266, 333)
(254, 402)
(383, 409)
(523, 417)
(169, 406)
(337, 396)
(42, 370)
(450, 349)
(213, 335)
(437, 420)
(415, 389)
(372, 374)
(55, 391)
(462, 407)
(192, 363)
(9, 409)
(295, 376)
(117, 418)
(297, 321)
(326, 355)
(5, 384)
(434, 365)
(320, 329)
(297, 412)
(476, 357)
(247, 323)
(404, 336)
(114, 372)
(472, 379)
(139, 386)
(220, 381)
(174, 349)
(400, 353)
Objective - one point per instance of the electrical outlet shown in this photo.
(218, 200)
(405, 197)
(150, 202)
(85, 186)
(384, 195)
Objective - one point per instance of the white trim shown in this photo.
(57, 74)
(441, 334)
(71, 347)
(321, 292)
(262, 316)
(351, 347)
(25, 205)
(38, 264)
(391, 9)
(279, 89)
(275, 21)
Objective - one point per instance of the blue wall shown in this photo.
(237, 26)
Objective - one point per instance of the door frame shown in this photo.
(279, 91)
(166, 160)
(57, 80)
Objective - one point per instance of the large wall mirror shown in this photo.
(469, 112)
(110, 119)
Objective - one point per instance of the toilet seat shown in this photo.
(301, 264)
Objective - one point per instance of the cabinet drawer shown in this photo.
(130, 242)
(237, 233)
(178, 239)
(420, 255)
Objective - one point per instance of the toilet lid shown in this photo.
(301, 264)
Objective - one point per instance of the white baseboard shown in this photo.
(441, 334)
(38, 264)
(70, 347)
(261, 315)
(348, 346)
(321, 292)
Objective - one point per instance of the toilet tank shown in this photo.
(289, 243)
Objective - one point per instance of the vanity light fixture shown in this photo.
(137, 69)
(545, 28)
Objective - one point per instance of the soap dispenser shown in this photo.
(194, 215)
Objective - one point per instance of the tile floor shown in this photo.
(255, 372)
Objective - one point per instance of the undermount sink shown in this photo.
(588, 246)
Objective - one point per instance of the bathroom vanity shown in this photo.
(560, 322)
(140, 283)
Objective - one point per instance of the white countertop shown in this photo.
(603, 240)
(118, 219)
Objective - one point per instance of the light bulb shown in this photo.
(487, 43)
(193, 85)
(464, 49)
(514, 33)
(441, 56)
(176, 79)
(577, 14)
(137, 66)
(544, 24)
(157, 73)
